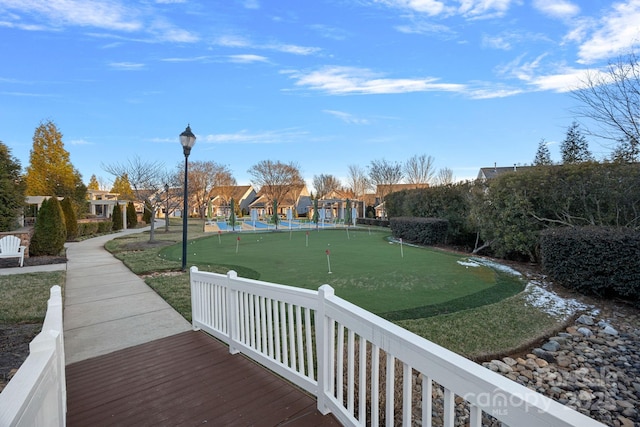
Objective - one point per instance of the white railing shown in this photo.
(37, 394)
(362, 368)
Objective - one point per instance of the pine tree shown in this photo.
(93, 183)
(70, 219)
(50, 172)
(49, 232)
(117, 217)
(543, 155)
(575, 148)
(132, 216)
(12, 190)
(122, 186)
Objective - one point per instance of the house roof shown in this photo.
(235, 192)
(391, 188)
(492, 172)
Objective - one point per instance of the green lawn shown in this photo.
(366, 269)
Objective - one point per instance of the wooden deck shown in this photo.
(187, 379)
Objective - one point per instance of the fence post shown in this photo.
(232, 312)
(322, 348)
(195, 300)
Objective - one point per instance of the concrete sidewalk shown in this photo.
(107, 307)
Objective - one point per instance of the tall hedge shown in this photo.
(70, 219)
(116, 217)
(50, 231)
(132, 216)
(601, 261)
(422, 231)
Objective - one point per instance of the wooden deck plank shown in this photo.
(186, 379)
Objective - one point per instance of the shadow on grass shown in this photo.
(501, 290)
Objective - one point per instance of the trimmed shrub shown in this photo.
(132, 216)
(105, 227)
(599, 261)
(373, 221)
(87, 228)
(70, 219)
(50, 231)
(422, 231)
(116, 217)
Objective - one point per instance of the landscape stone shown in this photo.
(585, 320)
(551, 346)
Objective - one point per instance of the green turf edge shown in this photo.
(502, 289)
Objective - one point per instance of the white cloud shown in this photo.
(484, 8)
(246, 137)
(247, 58)
(496, 42)
(233, 41)
(430, 7)
(338, 80)
(251, 4)
(85, 13)
(346, 117)
(618, 32)
(126, 66)
(80, 142)
(557, 8)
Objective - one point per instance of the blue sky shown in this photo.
(323, 83)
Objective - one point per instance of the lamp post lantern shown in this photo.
(166, 212)
(187, 140)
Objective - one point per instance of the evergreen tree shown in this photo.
(50, 172)
(122, 186)
(132, 216)
(49, 232)
(93, 183)
(146, 215)
(12, 190)
(543, 155)
(70, 219)
(117, 217)
(575, 148)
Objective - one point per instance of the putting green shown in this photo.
(386, 278)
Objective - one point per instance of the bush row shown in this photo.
(373, 221)
(94, 227)
(600, 261)
(422, 231)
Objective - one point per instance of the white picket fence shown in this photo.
(37, 394)
(362, 368)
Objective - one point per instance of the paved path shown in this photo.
(107, 307)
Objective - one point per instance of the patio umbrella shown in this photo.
(347, 214)
(316, 215)
(232, 215)
(275, 213)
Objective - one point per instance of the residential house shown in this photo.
(242, 195)
(491, 172)
(384, 190)
(296, 198)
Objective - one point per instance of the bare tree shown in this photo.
(147, 181)
(444, 177)
(612, 100)
(384, 175)
(276, 179)
(325, 184)
(203, 177)
(419, 169)
(357, 181)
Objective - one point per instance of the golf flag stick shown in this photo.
(237, 244)
(328, 260)
(219, 233)
(401, 250)
(307, 243)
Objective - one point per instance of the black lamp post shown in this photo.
(187, 140)
(166, 212)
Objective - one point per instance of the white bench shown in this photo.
(10, 248)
